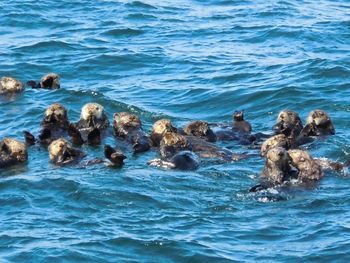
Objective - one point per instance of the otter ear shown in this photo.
(94, 137)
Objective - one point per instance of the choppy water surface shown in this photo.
(182, 60)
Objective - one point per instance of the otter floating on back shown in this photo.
(49, 81)
(93, 121)
(10, 85)
(128, 126)
(53, 126)
(12, 152)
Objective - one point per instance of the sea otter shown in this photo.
(54, 125)
(308, 169)
(10, 85)
(239, 124)
(159, 128)
(12, 152)
(276, 171)
(173, 143)
(61, 152)
(49, 81)
(318, 123)
(200, 129)
(92, 123)
(279, 140)
(176, 153)
(128, 126)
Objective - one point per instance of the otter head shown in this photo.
(277, 165)
(123, 122)
(56, 113)
(62, 152)
(200, 129)
(238, 116)
(289, 123)
(321, 123)
(279, 140)
(307, 167)
(15, 149)
(159, 128)
(50, 81)
(92, 112)
(10, 85)
(172, 143)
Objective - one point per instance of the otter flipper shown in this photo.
(116, 157)
(75, 135)
(29, 138)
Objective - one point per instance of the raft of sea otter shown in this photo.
(179, 148)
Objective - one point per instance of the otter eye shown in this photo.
(97, 108)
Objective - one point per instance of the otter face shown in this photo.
(8, 84)
(56, 113)
(200, 129)
(279, 140)
(321, 123)
(238, 116)
(50, 81)
(57, 148)
(162, 126)
(277, 155)
(288, 122)
(92, 111)
(126, 120)
(16, 149)
(277, 167)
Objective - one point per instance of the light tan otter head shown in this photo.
(308, 168)
(50, 81)
(318, 117)
(57, 148)
(15, 149)
(162, 126)
(56, 113)
(126, 120)
(171, 139)
(277, 155)
(277, 167)
(288, 116)
(92, 111)
(279, 140)
(200, 129)
(8, 85)
(289, 123)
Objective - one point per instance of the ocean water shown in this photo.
(183, 60)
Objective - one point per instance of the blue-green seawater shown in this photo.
(183, 60)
